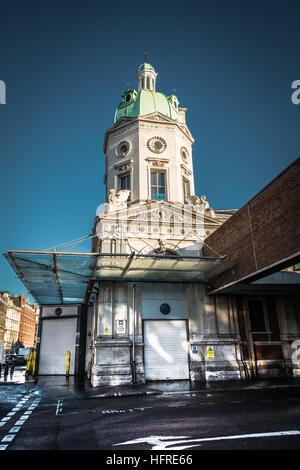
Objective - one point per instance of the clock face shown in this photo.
(128, 98)
(123, 148)
(157, 144)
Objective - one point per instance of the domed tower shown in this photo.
(149, 169)
(149, 147)
(150, 223)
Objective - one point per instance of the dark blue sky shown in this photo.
(66, 64)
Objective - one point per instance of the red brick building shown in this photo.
(27, 321)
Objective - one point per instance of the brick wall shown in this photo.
(264, 231)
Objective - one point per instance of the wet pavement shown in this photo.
(56, 412)
(17, 377)
(82, 385)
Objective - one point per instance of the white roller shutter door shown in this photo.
(58, 337)
(165, 350)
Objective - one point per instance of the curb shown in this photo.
(27, 381)
(15, 383)
(189, 392)
(253, 388)
(126, 394)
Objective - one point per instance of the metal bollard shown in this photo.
(68, 363)
(28, 365)
(33, 364)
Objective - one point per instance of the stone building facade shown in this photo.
(151, 208)
(10, 314)
(149, 302)
(172, 330)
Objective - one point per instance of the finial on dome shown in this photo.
(146, 75)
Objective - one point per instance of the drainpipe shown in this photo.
(133, 364)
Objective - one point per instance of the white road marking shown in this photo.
(127, 410)
(20, 422)
(24, 417)
(8, 438)
(59, 407)
(16, 428)
(163, 442)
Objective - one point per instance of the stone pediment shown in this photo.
(161, 212)
(121, 122)
(161, 118)
(156, 117)
(143, 226)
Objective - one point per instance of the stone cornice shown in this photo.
(159, 119)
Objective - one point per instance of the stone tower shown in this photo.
(151, 215)
(149, 168)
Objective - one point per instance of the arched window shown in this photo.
(148, 82)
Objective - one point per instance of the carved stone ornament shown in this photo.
(195, 200)
(157, 144)
(184, 154)
(115, 198)
(123, 148)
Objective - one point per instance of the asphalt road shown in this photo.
(51, 418)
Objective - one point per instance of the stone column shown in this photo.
(134, 302)
(112, 347)
(196, 323)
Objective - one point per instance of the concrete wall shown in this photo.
(214, 336)
(212, 326)
(220, 343)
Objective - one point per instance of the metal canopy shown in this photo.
(68, 278)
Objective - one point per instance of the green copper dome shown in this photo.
(147, 101)
(144, 66)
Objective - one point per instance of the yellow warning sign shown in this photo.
(210, 352)
(106, 331)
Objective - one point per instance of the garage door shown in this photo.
(165, 350)
(58, 337)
